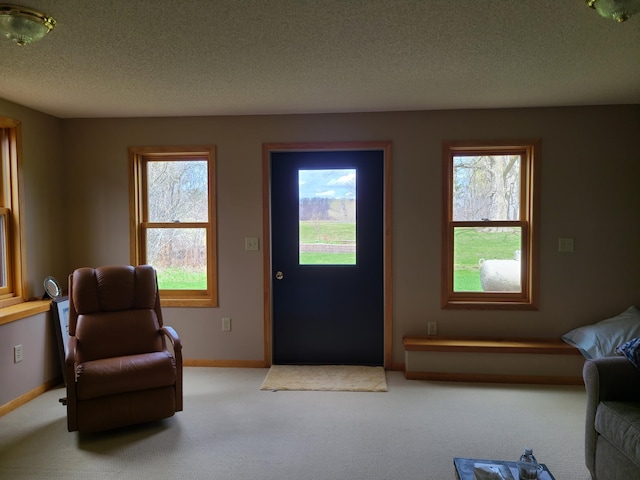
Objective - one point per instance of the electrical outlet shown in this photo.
(17, 354)
(226, 324)
(432, 328)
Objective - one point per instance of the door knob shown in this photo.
(279, 275)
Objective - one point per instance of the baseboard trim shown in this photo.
(27, 397)
(224, 363)
(396, 367)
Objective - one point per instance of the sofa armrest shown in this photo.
(612, 378)
(608, 378)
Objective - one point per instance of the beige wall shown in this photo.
(77, 214)
(590, 172)
(44, 216)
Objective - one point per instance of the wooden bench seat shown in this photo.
(501, 360)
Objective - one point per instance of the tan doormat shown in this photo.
(345, 378)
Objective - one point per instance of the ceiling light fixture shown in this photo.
(619, 10)
(24, 25)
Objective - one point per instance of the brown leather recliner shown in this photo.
(119, 369)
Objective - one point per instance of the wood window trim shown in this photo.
(137, 207)
(13, 313)
(528, 298)
(16, 291)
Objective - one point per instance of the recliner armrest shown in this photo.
(70, 368)
(70, 359)
(172, 335)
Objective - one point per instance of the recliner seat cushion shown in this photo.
(130, 373)
(619, 422)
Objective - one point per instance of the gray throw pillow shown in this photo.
(602, 339)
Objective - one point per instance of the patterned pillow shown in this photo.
(631, 350)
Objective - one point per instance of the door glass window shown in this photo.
(327, 216)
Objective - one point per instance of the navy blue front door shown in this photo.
(327, 311)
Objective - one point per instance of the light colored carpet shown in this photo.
(328, 378)
(231, 430)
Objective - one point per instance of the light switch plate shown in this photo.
(252, 244)
(565, 244)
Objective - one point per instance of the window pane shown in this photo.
(4, 189)
(327, 217)
(3, 251)
(486, 188)
(5, 157)
(180, 257)
(178, 191)
(487, 259)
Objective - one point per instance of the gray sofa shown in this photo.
(612, 437)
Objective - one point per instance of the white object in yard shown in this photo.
(500, 275)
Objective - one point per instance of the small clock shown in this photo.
(52, 288)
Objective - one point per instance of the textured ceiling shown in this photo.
(123, 58)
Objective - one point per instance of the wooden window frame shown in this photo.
(14, 291)
(527, 298)
(138, 157)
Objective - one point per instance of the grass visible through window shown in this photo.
(327, 233)
(181, 279)
(472, 244)
(320, 258)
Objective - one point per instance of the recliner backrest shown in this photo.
(114, 311)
